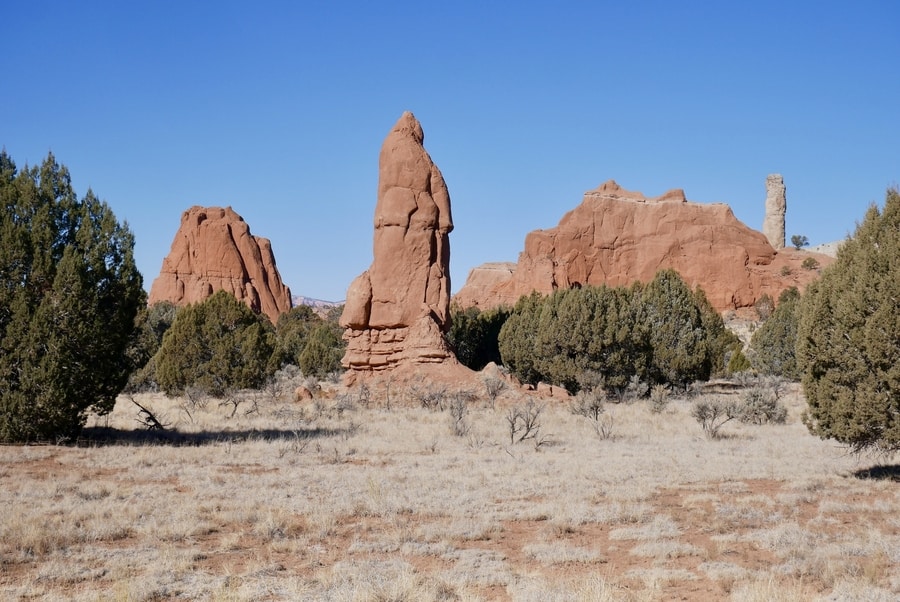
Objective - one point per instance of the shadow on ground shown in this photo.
(882, 472)
(101, 436)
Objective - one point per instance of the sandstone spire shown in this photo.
(214, 249)
(397, 310)
(776, 206)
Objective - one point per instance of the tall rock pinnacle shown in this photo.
(397, 310)
(776, 206)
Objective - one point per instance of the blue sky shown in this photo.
(279, 110)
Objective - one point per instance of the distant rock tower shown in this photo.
(776, 206)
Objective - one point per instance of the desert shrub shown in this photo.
(764, 307)
(785, 270)
(524, 422)
(760, 405)
(430, 396)
(459, 410)
(712, 413)
(589, 403)
(774, 344)
(69, 298)
(474, 335)
(659, 398)
(848, 341)
(218, 345)
(810, 263)
(493, 388)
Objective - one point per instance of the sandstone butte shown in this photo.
(214, 250)
(616, 237)
(398, 310)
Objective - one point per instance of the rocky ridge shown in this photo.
(616, 237)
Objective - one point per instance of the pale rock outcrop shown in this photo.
(617, 237)
(776, 207)
(214, 250)
(398, 310)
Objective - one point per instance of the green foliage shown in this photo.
(151, 324)
(675, 329)
(738, 362)
(661, 332)
(304, 339)
(849, 337)
(799, 241)
(69, 296)
(774, 343)
(474, 335)
(323, 351)
(291, 335)
(217, 346)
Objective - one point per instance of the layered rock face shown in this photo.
(397, 310)
(214, 250)
(616, 237)
(776, 207)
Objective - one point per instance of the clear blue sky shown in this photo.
(279, 110)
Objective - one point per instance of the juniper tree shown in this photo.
(218, 345)
(774, 343)
(849, 337)
(69, 294)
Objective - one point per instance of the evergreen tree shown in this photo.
(674, 326)
(774, 343)
(848, 341)
(291, 335)
(69, 295)
(474, 335)
(323, 351)
(517, 338)
(219, 345)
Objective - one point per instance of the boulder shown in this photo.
(214, 250)
(617, 237)
(398, 310)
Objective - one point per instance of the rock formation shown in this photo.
(776, 206)
(616, 237)
(397, 311)
(214, 249)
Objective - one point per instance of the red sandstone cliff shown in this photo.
(616, 237)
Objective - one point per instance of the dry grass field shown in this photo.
(329, 500)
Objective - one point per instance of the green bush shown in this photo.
(474, 335)
(662, 333)
(323, 351)
(774, 343)
(217, 346)
(69, 297)
(848, 344)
